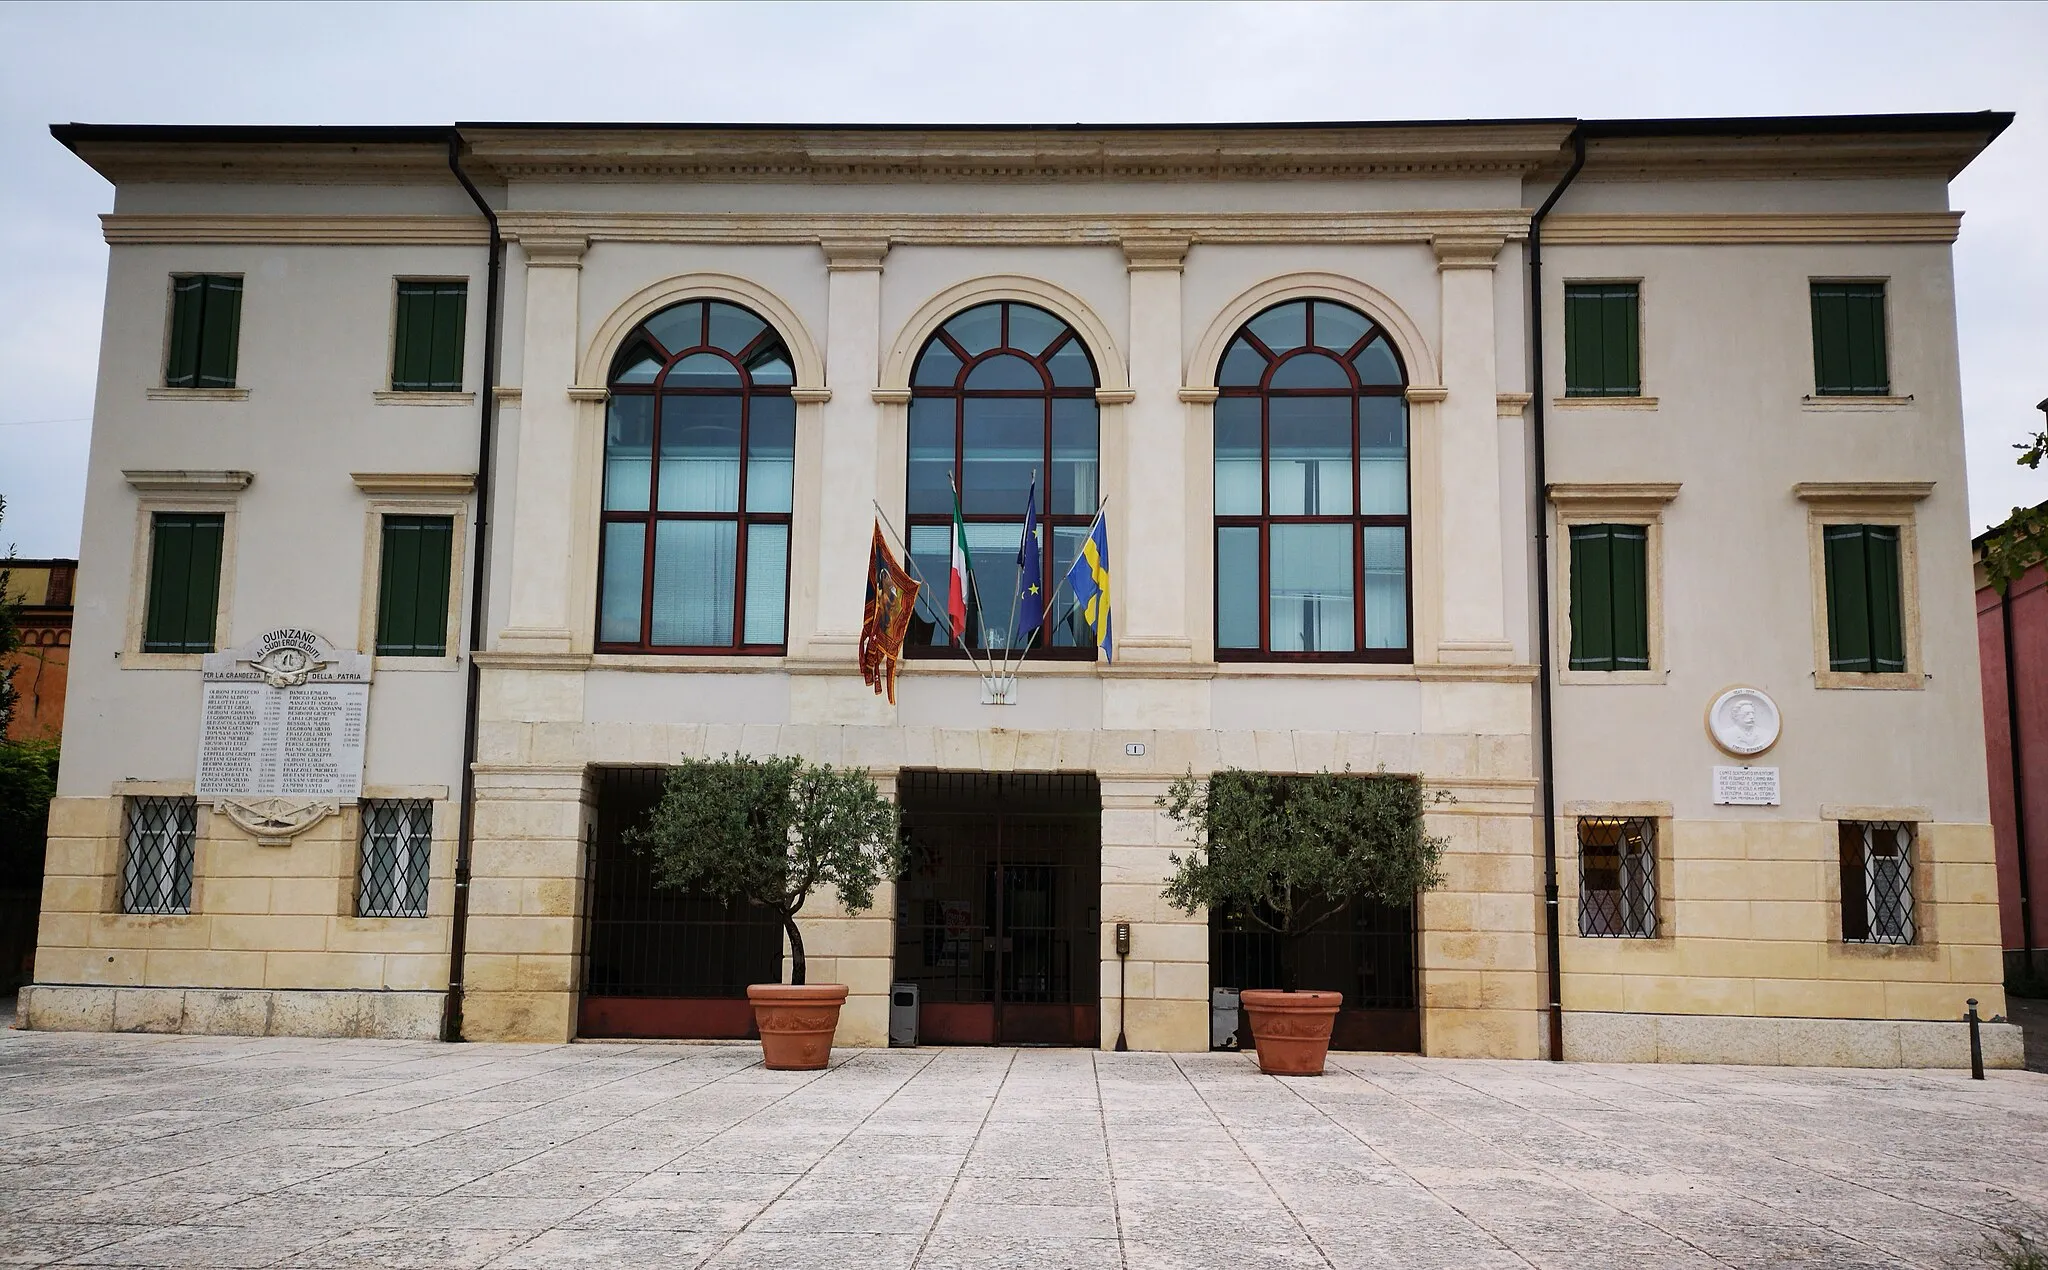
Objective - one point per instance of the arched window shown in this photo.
(699, 447)
(1311, 489)
(1002, 393)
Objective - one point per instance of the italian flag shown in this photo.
(961, 575)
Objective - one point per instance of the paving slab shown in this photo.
(166, 1150)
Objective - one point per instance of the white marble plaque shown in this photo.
(1746, 787)
(285, 715)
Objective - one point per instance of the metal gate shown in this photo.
(996, 913)
(660, 962)
(1365, 951)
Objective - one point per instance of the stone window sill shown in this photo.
(1898, 681)
(424, 398)
(161, 661)
(1856, 403)
(199, 394)
(1606, 678)
(1604, 403)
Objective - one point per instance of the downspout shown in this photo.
(1547, 783)
(458, 938)
(2019, 789)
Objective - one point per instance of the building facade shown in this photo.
(1350, 520)
(2012, 640)
(43, 590)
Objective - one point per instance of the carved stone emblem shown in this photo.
(1744, 721)
(274, 821)
(287, 657)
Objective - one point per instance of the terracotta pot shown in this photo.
(1292, 1029)
(796, 1024)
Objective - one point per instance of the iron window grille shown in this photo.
(156, 871)
(1877, 881)
(397, 850)
(1618, 877)
(1311, 490)
(1001, 394)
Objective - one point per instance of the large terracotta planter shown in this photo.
(1292, 1029)
(796, 1024)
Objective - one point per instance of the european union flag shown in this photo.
(1089, 578)
(1030, 573)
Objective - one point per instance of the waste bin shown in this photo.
(1223, 1019)
(903, 1014)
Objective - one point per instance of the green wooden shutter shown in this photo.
(1849, 339)
(184, 582)
(219, 332)
(1887, 624)
(1601, 336)
(1629, 555)
(1592, 598)
(181, 363)
(412, 596)
(427, 350)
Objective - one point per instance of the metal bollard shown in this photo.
(1976, 1043)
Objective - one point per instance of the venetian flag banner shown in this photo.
(891, 599)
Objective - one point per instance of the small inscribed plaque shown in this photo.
(1746, 787)
(285, 715)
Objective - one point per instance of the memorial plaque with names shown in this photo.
(1746, 787)
(283, 716)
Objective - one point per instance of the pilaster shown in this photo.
(544, 482)
(1152, 609)
(849, 447)
(1474, 623)
(1159, 995)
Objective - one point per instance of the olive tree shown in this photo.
(1288, 853)
(771, 831)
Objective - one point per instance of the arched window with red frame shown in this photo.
(699, 456)
(1003, 392)
(1312, 513)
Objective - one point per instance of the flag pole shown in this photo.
(1010, 631)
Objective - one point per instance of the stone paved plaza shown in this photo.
(212, 1151)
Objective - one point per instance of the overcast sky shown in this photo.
(1095, 63)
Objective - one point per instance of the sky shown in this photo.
(969, 63)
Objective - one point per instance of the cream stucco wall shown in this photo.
(1156, 275)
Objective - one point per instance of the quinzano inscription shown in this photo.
(282, 725)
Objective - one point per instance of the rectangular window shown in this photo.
(1618, 877)
(206, 324)
(184, 582)
(427, 345)
(1610, 597)
(1848, 340)
(397, 851)
(156, 869)
(412, 587)
(1865, 626)
(1877, 881)
(1600, 340)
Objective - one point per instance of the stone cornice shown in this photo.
(559, 250)
(275, 163)
(414, 482)
(1156, 251)
(1846, 495)
(1751, 227)
(122, 229)
(996, 155)
(1019, 228)
(854, 255)
(187, 480)
(1612, 495)
(1466, 251)
(1425, 395)
(1767, 153)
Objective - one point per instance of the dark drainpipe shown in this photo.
(1547, 795)
(458, 940)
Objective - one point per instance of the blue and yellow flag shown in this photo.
(1089, 578)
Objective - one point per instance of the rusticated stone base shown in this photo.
(1591, 1037)
(58, 1007)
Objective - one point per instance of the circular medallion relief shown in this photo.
(1743, 721)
